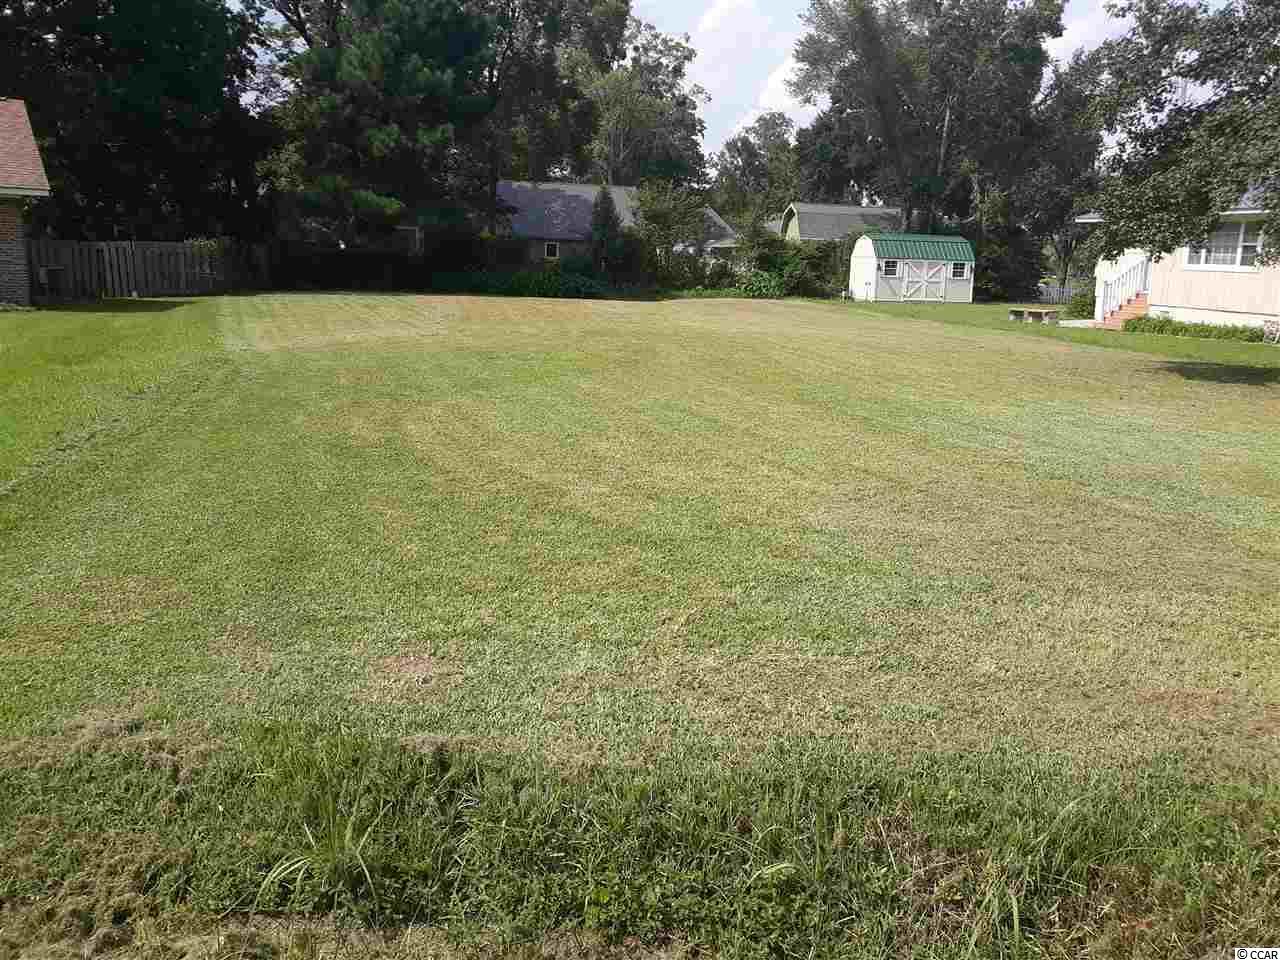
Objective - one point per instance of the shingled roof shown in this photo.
(562, 211)
(835, 221)
(21, 170)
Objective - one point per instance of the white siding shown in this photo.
(1108, 270)
(862, 270)
(1221, 318)
(1235, 295)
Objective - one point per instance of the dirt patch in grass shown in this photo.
(128, 601)
(410, 676)
(242, 645)
(1233, 709)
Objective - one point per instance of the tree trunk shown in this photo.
(942, 165)
(1064, 246)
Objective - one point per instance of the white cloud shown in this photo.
(717, 15)
(745, 52)
(775, 96)
(1087, 24)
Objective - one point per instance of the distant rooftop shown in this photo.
(562, 211)
(835, 221)
(21, 169)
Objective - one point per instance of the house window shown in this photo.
(959, 271)
(1231, 245)
(891, 268)
(551, 251)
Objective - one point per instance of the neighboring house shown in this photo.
(22, 178)
(835, 221)
(722, 239)
(1213, 282)
(911, 266)
(554, 219)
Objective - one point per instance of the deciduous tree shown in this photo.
(757, 170)
(671, 219)
(138, 107)
(935, 99)
(647, 111)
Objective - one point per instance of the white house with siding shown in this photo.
(1218, 281)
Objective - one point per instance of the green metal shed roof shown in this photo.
(921, 246)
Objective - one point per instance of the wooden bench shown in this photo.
(1035, 315)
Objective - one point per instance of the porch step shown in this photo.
(1135, 307)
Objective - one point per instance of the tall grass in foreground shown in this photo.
(804, 851)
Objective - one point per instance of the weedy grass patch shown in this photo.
(802, 850)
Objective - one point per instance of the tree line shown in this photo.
(954, 112)
(341, 119)
(181, 118)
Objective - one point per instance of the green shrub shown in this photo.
(800, 279)
(761, 285)
(522, 283)
(1166, 325)
(720, 275)
(680, 271)
(1082, 304)
(578, 264)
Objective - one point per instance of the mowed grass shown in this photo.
(672, 541)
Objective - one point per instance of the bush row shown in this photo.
(521, 283)
(1164, 324)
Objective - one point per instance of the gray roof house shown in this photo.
(835, 221)
(555, 218)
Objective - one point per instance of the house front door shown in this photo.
(923, 280)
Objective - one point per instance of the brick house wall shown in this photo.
(15, 275)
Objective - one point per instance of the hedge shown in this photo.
(1166, 325)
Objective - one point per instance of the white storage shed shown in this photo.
(911, 266)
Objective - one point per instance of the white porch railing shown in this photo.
(1121, 289)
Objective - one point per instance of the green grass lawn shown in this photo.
(997, 605)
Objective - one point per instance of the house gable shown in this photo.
(22, 172)
(835, 221)
(559, 211)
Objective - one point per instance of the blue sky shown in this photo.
(744, 52)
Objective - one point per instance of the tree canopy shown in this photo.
(138, 108)
(932, 104)
(756, 171)
(647, 111)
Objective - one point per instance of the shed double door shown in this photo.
(924, 280)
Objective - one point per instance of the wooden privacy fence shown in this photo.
(126, 268)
